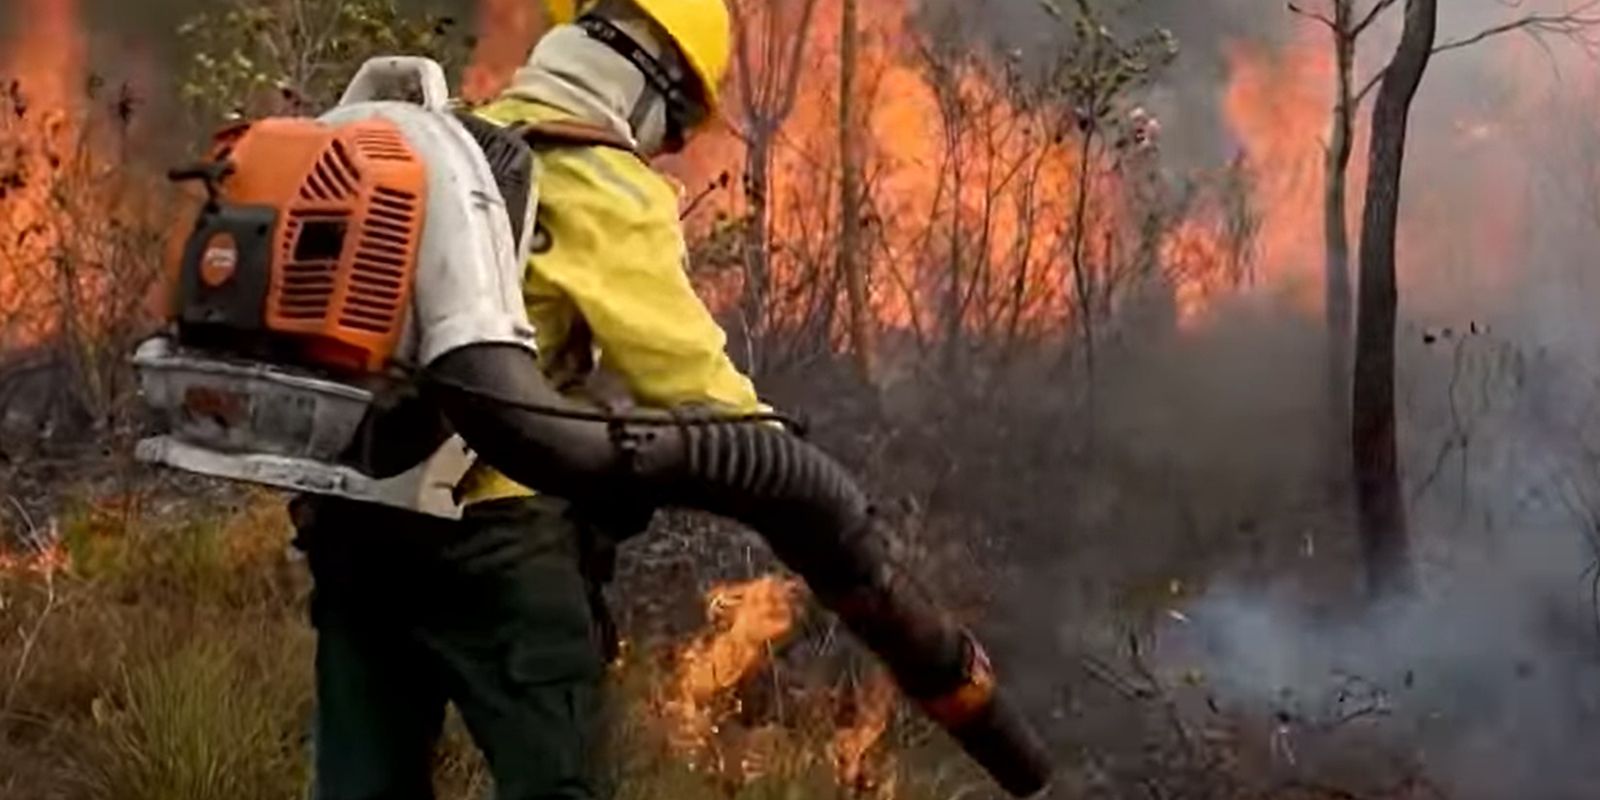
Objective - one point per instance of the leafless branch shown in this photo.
(694, 203)
(1296, 8)
(34, 539)
(1102, 672)
(1576, 25)
(1369, 86)
(1372, 16)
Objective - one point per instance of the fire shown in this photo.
(42, 72)
(1278, 105)
(972, 188)
(873, 705)
(45, 562)
(507, 30)
(80, 215)
(48, 56)
(1196, 252)
(960, 174)
(970, 219)
(44, 554)
(745, 619)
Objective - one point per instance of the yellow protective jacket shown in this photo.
(611, 290)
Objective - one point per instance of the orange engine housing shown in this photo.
(347, 203)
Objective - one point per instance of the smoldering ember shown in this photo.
(1062, 398)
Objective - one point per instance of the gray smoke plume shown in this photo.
(1207, 463)
(1489, 681)
(1491, 677)
(1187, 98)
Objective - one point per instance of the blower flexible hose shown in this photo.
(804, 504)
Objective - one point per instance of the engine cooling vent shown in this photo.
(383, 143)
(376, 297)
(334, 179)
(349, 202)
(309, 276)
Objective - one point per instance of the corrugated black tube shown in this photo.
(807, 507)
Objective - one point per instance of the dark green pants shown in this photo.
(499, 614)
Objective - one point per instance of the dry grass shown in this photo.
(201, 722)
(171, 661)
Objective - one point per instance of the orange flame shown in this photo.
(1196, 252)
(41, 72)
(1278, 105)
(873, 705)
(46, 562)
(49, 56)
(745, 618)
(960, 174)
(506, 32)
(965, 179)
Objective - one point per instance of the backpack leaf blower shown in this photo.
(346, 319)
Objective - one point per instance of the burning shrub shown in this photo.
(79, 237)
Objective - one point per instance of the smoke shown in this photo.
(1491, 678)
(1200, 513)
(1188, 97)
(1200, 524)
(1200, 492)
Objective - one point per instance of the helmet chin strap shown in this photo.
(681, 109)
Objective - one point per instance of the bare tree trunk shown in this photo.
(955, 279)
(1380, 504)
(1336, 233)
(851, 264)
(1082, 280)
(768, 49)
(757, 247)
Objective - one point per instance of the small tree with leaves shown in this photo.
(1092, 82)
(253, 58)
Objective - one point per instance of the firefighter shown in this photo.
(501, 613)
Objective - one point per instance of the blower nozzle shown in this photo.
(994, 734)
(944, 670)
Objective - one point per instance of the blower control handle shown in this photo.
(210, 173)
(412, 78)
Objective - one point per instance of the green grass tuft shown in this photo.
(202, 723)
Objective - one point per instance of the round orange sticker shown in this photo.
(220, 261)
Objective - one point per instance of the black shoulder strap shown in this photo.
(511, 161)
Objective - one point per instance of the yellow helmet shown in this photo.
(701, 30)
(561, 12)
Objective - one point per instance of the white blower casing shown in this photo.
(239, 416)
